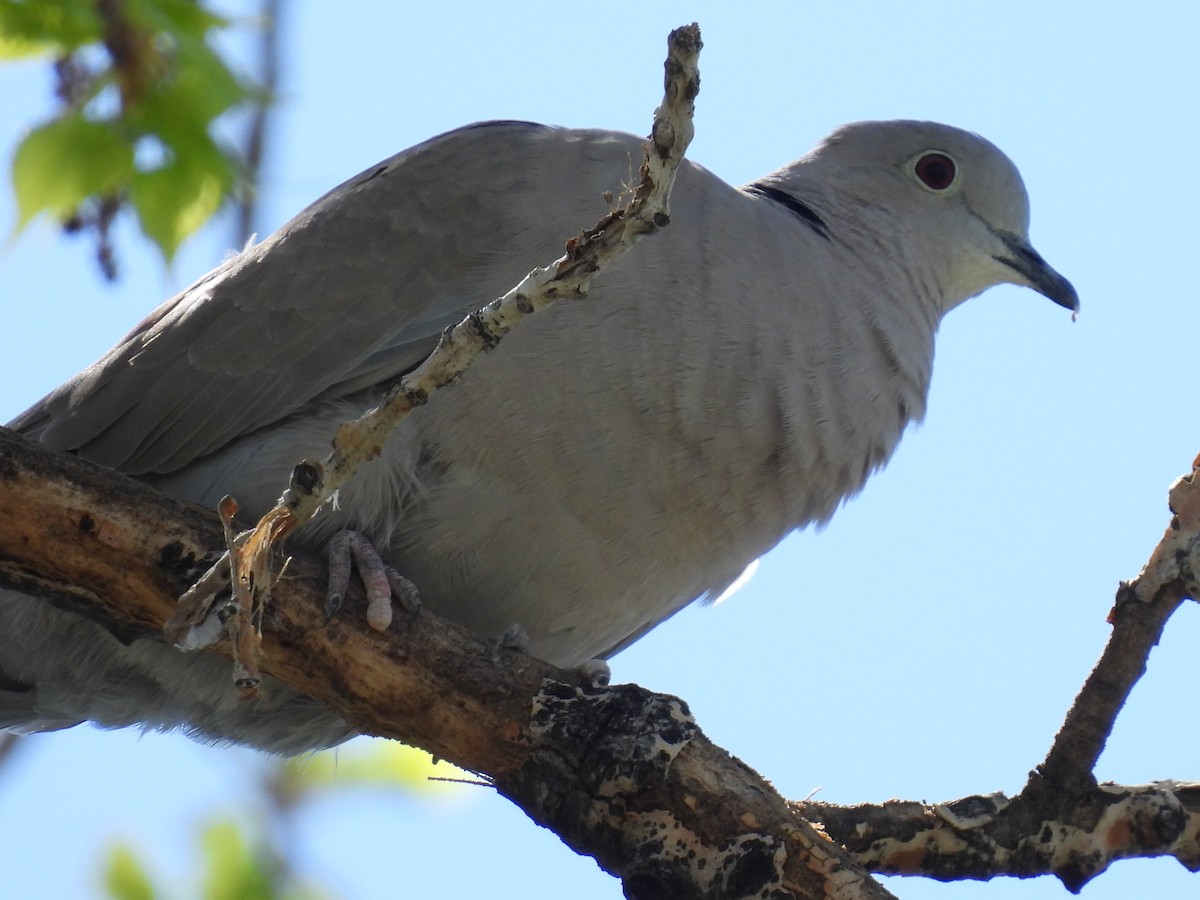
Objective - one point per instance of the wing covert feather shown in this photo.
(351, 292)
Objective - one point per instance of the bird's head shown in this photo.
(955, 198)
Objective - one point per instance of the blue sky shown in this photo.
(928, 642)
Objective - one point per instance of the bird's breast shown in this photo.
(587, 502)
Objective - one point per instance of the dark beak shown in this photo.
(1036, 273)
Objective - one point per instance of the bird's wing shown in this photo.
(351, 292)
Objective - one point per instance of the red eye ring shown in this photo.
(936, 170)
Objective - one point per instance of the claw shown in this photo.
(597, 672)
(339, 572)
(514, 638)
(381, 581)
(404, 591)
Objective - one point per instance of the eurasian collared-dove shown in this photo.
(731, 379)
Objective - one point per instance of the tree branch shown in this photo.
(1138, 617)
(1063, 822)
(622, 774)
(619, 773)
(1075, 837)
(269, 58)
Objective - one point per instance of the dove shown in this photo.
(733, 378)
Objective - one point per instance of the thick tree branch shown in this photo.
(620, 773)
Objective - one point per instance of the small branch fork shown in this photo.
(1062, 822)
(1138, 617)
(314, 482)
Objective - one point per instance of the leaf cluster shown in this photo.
(140, 87)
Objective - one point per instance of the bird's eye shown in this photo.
(937, 171)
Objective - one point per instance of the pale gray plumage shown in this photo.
(733, 378)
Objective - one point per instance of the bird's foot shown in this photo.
(515, 638)
(596, 671)
(382, 582)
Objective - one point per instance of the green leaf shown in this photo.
(205, 81)
(62, 163)
(233, 870)
(175, 200)
(124, 877)
(374, 764)
(180, 86)
(195, 85)
(197, 89)
(62, 25)
(181, 17)
(18, 47)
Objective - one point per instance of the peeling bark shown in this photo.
(1039, 832)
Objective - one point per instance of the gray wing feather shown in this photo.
(353, 291)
